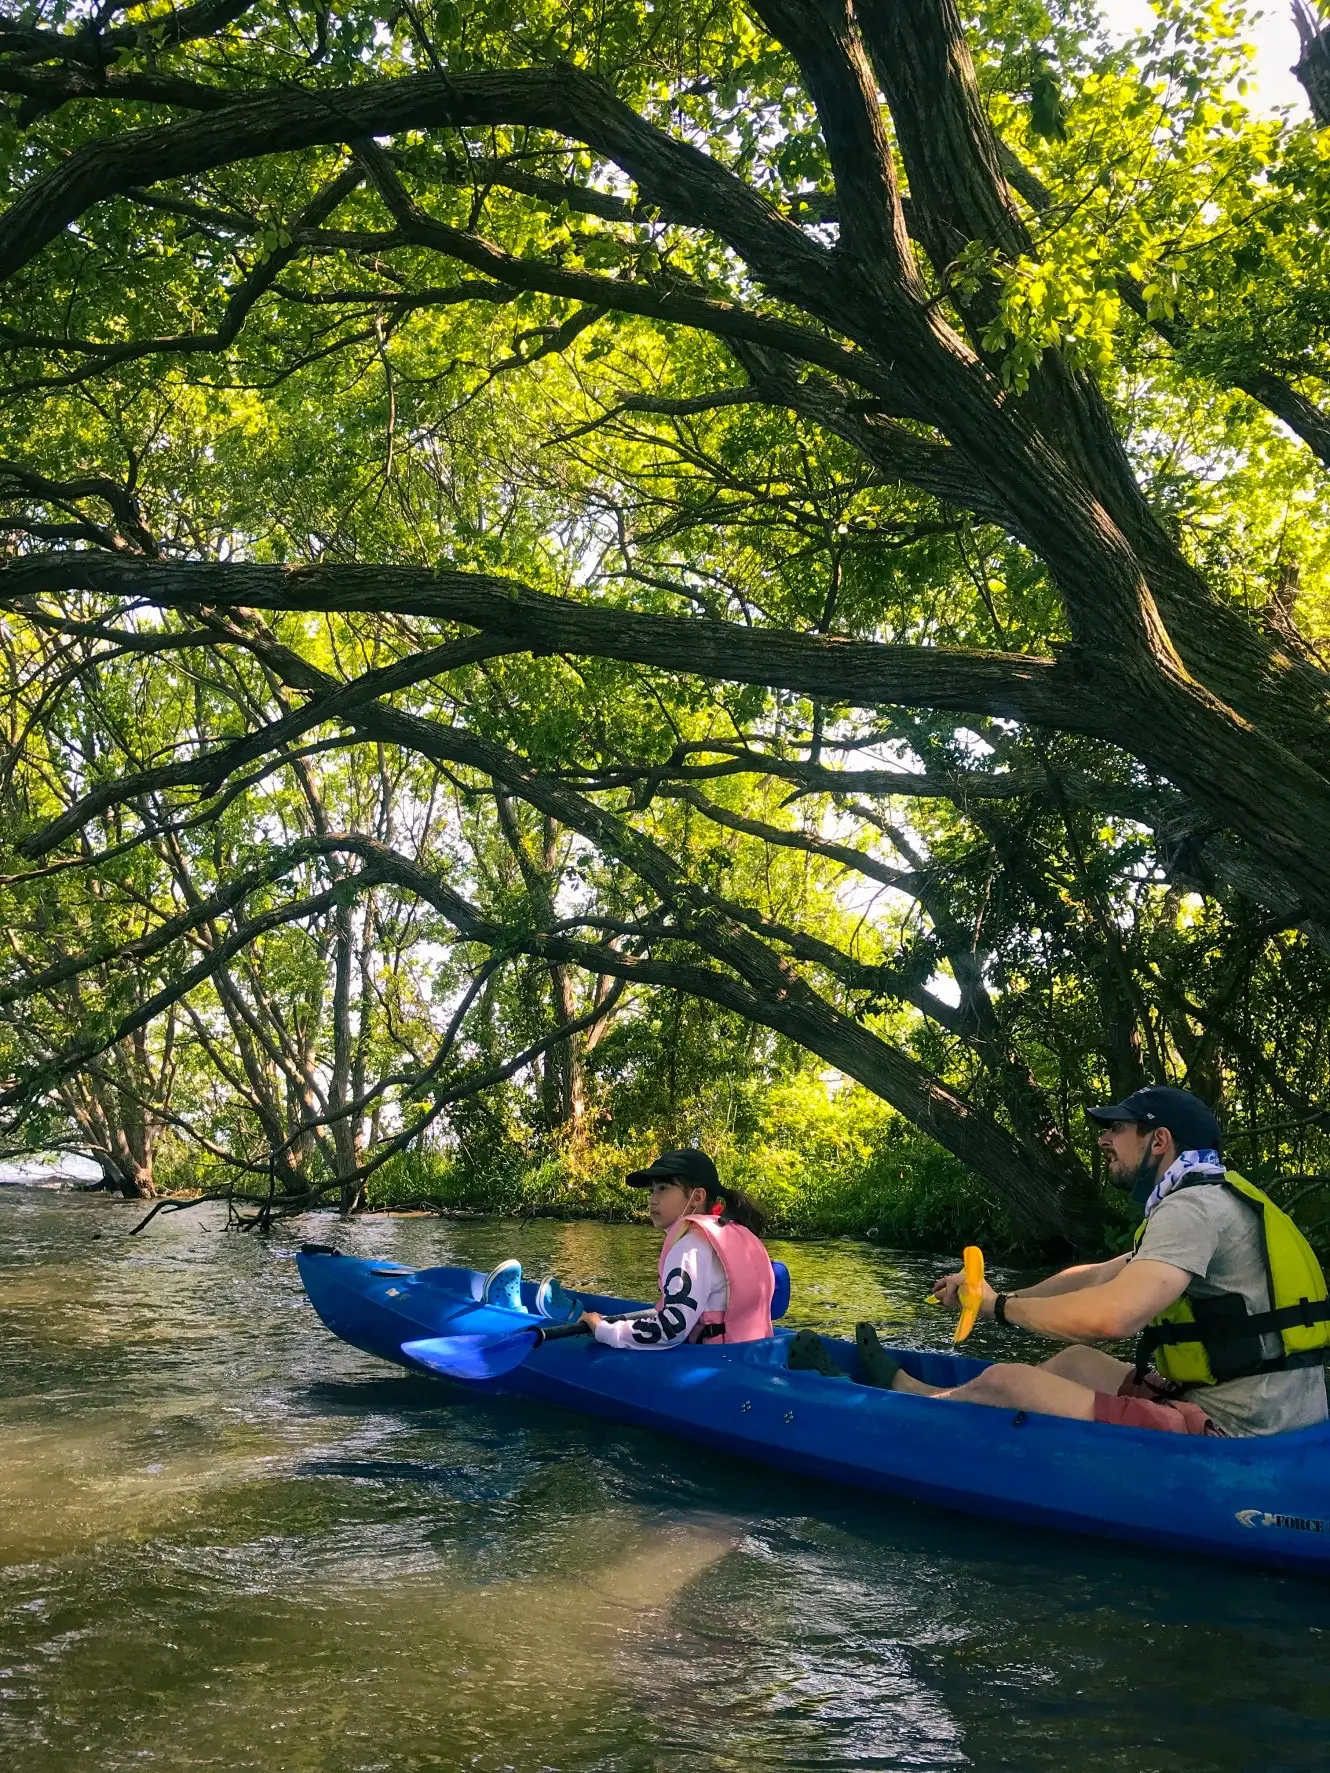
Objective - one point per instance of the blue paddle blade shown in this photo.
(472, 1357)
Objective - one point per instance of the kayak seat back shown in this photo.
(467, 1283)
(780, 1299)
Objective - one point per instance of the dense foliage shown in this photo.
(576, 576)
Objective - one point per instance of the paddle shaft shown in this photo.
(556, 1331)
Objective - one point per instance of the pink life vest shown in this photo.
(748, 1276)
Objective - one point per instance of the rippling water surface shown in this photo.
(229, 1541)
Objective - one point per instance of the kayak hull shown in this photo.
(1263, 1500)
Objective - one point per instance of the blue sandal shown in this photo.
(503, 1285)
(554, 1301)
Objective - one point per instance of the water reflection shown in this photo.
(227, 1540)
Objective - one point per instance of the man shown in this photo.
(1198, 1284)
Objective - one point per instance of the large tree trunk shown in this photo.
(132, 1178)
(1313, 64)
(122, 1152)
(563, 1073)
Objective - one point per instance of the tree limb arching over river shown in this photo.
(513, 526)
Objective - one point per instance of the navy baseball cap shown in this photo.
(689, 1166)
(1191, 1123)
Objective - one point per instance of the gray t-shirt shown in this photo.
(1216, 1237)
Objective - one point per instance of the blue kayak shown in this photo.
(1263, 1500)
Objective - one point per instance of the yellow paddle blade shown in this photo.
(972, 1291)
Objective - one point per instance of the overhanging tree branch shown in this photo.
(844, 671)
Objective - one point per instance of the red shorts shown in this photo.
(1145, 1403)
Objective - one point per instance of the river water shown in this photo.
(229, 1541)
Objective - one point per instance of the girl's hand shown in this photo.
(591, 1319)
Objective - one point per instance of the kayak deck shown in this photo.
(1260, 1499)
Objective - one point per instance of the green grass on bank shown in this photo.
(891, 1198)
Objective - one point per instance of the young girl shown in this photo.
(716, 1279)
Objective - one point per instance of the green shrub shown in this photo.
(823, 1163)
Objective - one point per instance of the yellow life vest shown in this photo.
(1209, 1341)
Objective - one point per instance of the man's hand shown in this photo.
(947, 1291)
(591, 1319)
(947, 1287)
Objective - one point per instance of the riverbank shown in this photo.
(906, 1199)
(822, 1164)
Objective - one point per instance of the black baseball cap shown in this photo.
(690, 1165)
(1191, 1123)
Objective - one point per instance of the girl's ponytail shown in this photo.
(742, 1209)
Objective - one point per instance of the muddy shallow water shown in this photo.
(229, 1541)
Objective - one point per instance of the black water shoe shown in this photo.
(810, 1354)
(876, 1366)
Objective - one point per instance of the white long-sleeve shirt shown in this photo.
(694, 1282)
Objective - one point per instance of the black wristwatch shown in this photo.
(1000, 1311)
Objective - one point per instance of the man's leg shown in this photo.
(1089, 1366)
(1008, 1386)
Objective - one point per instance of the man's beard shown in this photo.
(1137, 1181)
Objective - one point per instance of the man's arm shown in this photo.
(1118, 1308)
(1070, 1280)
